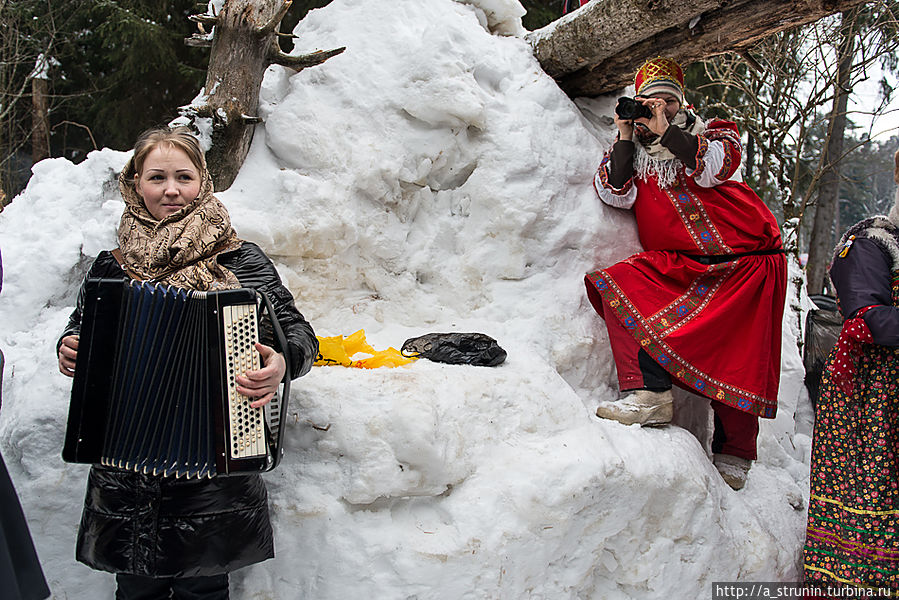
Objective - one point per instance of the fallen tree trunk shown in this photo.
(582, 39)
(597, 49)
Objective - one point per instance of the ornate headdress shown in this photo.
(660, 75)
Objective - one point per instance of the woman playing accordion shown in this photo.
(164, 534)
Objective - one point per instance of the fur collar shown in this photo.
(881, 230)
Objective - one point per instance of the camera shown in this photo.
(629, 109)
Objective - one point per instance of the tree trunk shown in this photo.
(40, 120)
(750, 157)
(822, 240)
(597, 49)
(3, 201)
(570, 44)
(244, 44)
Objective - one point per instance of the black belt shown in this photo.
(714, 259)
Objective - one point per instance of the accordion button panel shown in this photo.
(246, 428)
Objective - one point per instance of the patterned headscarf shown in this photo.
(181, 249)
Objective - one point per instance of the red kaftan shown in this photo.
(715, 328)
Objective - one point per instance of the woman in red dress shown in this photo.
(702, 304)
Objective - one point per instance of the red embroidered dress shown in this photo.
(715, 328)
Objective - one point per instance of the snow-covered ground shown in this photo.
(431, 178)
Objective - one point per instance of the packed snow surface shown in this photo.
(429, 179)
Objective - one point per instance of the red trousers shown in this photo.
(736, 431)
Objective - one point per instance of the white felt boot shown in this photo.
(734, 470)
(644, 407)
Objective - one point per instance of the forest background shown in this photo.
(80, 75)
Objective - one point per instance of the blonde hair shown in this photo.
(177, 137)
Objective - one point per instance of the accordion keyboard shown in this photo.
(246, 426)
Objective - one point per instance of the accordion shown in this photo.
(154, 385)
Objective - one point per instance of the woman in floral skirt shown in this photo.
(853, 519)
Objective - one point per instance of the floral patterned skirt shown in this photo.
(853, 517)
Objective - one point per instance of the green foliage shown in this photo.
(128, 68)
(540, 13)
(123, 67)
(867, 186)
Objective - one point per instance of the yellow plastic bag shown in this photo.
(339, 350)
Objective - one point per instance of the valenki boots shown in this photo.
(643, 407)
(733, 469)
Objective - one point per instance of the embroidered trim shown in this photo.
(850, 547)
(835, 577)
(663, 354)
(842, 525)
(700, 155)
(859, 511)
(733, 150)
(695, 218)
(603, 174)
(682, 310)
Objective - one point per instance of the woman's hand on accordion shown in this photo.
(68, 351)
(263, 383)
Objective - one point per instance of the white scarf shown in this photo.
(652, 159)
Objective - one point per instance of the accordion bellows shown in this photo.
(154, 386)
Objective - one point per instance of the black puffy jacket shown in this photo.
(166, 527)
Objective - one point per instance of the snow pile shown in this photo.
(430, 178)
(502, 17)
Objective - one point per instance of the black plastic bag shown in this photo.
(456, 349)
(822, 328)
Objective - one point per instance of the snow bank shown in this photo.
(430, 178)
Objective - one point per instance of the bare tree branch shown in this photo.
(302, 61)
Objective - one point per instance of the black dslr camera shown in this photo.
(629, 109)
